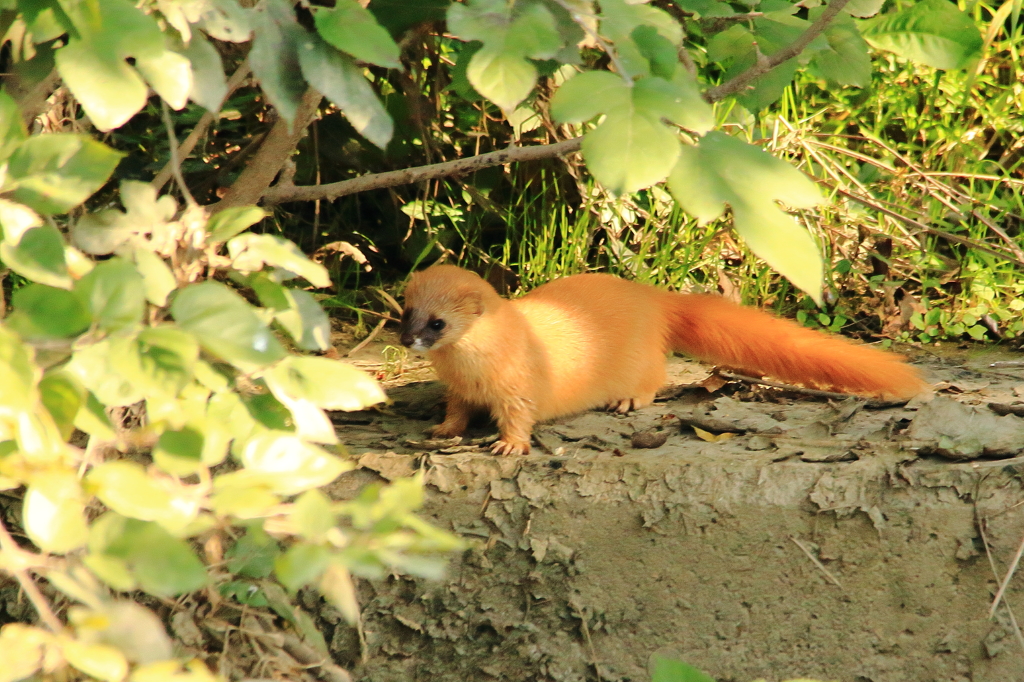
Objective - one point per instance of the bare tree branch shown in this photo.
(204, 123)
(31, 97)
(763, 66)
(286, 192)
(280, 194)
(275, 150)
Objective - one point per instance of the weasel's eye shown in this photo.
(436, 325)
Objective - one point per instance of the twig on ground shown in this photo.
(1006, 579)
(995, 573)
(369, 337)
(814, 560)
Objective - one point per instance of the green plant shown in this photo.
(148, 407)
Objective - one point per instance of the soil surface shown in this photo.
(815, 539)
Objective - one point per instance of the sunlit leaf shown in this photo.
(56, 172)
(301, 564)
(250, 252)
(225, 324)
(290, 465)
(101, 661)
(126, 488)
(114, 293)
(723, 170)
(38, 256)
(353, 29)
(54, 515)
(341, 81)
(932, 32)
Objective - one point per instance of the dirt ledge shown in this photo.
(587, 565)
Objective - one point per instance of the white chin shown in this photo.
(419, 345)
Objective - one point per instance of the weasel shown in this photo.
(596, 340)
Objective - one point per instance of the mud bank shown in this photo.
(816, 544)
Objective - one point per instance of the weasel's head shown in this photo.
(441, 304)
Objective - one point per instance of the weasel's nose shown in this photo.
(407, 339)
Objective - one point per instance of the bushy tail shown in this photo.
(752, 341)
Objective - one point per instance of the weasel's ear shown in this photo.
(475, 302)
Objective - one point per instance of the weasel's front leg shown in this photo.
(515, 423)
(456, 418)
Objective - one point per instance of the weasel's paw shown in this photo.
(443, 430)
(510, 447)
(621, 406)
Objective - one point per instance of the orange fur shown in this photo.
(596, 340)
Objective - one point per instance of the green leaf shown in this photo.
(158, 280)
(93, 420)
(588, 95)
(289, 464)
(312, 515)
(54, 173)
(274, 56)
(93, 63)
(331, 384)
(301, 564)
(848, 61)
(93, 365)
(135, 630)
(101, 661)
(54, 513)
(18, 371)
(105, 231)
(254, 554)
(657, 50)
(619, 20)
(39, 256)
(42, 311)
(126, 488)
(511, 35)
(166, 359)
(169, 74)
(297, 312)
(180, 452)
(353, 29)
(23, 648)
(63, 397)
(227, 20)
(342, 82)
(225, 224)
(225, 325)
(109, 89)
(338, 588)
(632, 148)
(250, 252)
(724, 170)
(162, 564)
(671, 670)
(932, 32)
(114, 293)
(209, 86)
(863, 8)
(12, 128)
(242, 497)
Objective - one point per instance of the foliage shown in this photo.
(130, 310)
(153, 397)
